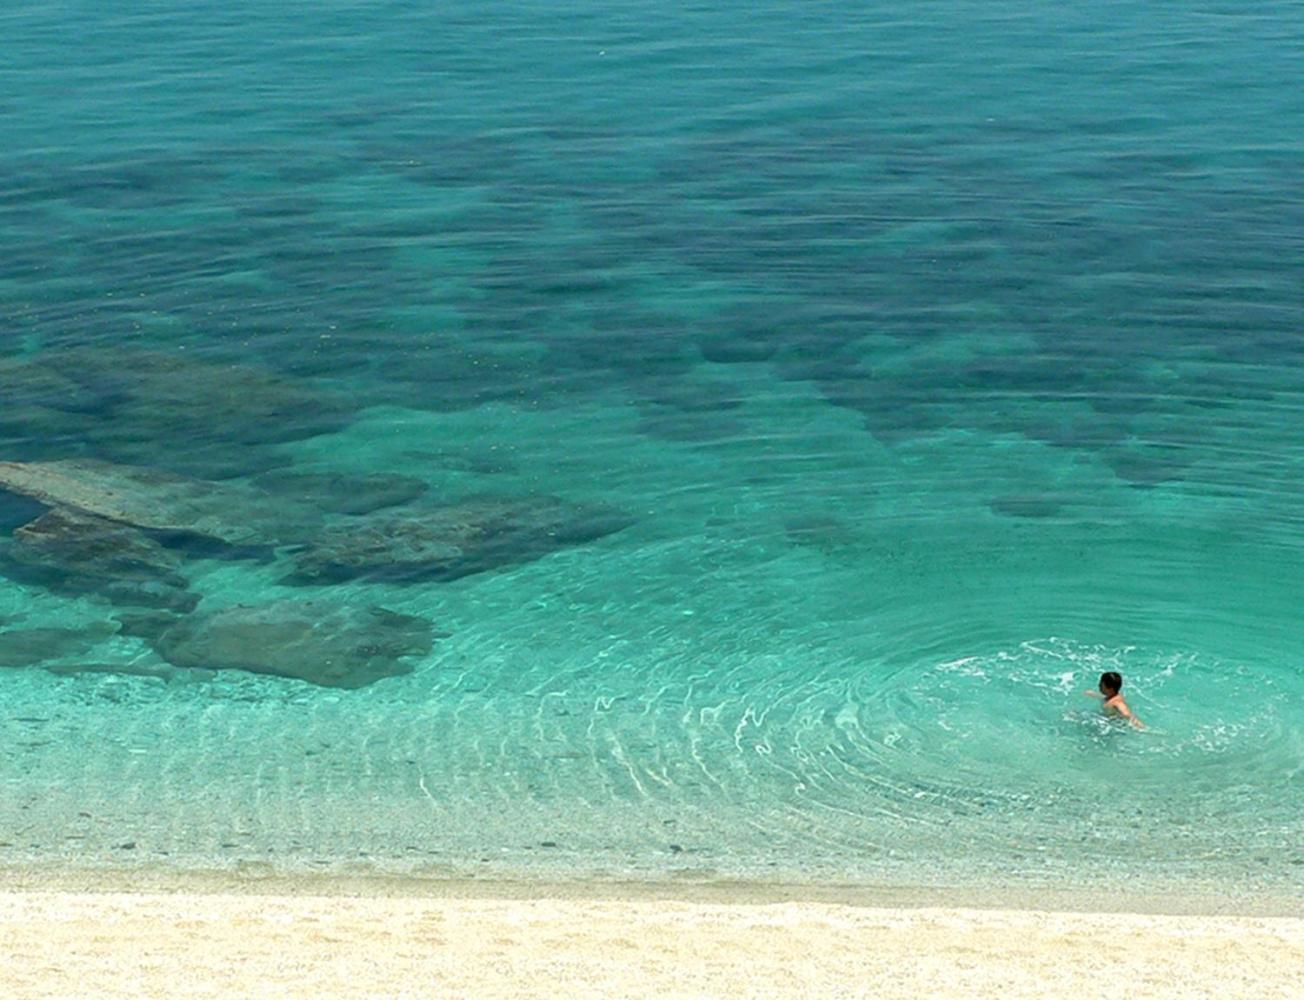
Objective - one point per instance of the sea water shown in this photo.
(937, 359)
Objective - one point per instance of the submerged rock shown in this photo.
(444, 543)
(159, 407)
(334, 645)
(159, 501)
(340, 494)
(77, 553)
(29, 647)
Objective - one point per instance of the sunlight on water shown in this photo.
(501, 439)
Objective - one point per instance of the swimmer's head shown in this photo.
(1111, 683)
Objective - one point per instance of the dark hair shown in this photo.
(1112, 679)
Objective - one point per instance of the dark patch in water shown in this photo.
(17, 510)
(1027, 505)
(1147, 467)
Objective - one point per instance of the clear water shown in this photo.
(942, 356)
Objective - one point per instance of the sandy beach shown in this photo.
(468, 941)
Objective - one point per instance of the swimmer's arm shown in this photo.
(1126, 713)
(1093, 694)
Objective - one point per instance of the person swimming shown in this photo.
(1111, 683)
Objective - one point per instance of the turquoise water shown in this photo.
(860, 384)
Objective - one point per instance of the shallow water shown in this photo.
(938, 360)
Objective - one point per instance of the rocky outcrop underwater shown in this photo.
(326, 643)
(125, 533)
(211, 417)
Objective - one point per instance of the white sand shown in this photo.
(201, 943)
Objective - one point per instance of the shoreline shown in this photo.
(478, 942)
(260, 879)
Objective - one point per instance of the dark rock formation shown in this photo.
(334, 645)
(77, 553)
(159, 501)
(29, 647)
(444, 543)
(199, 416)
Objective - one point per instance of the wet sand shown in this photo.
(485, 941)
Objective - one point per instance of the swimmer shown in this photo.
(1111, 683)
